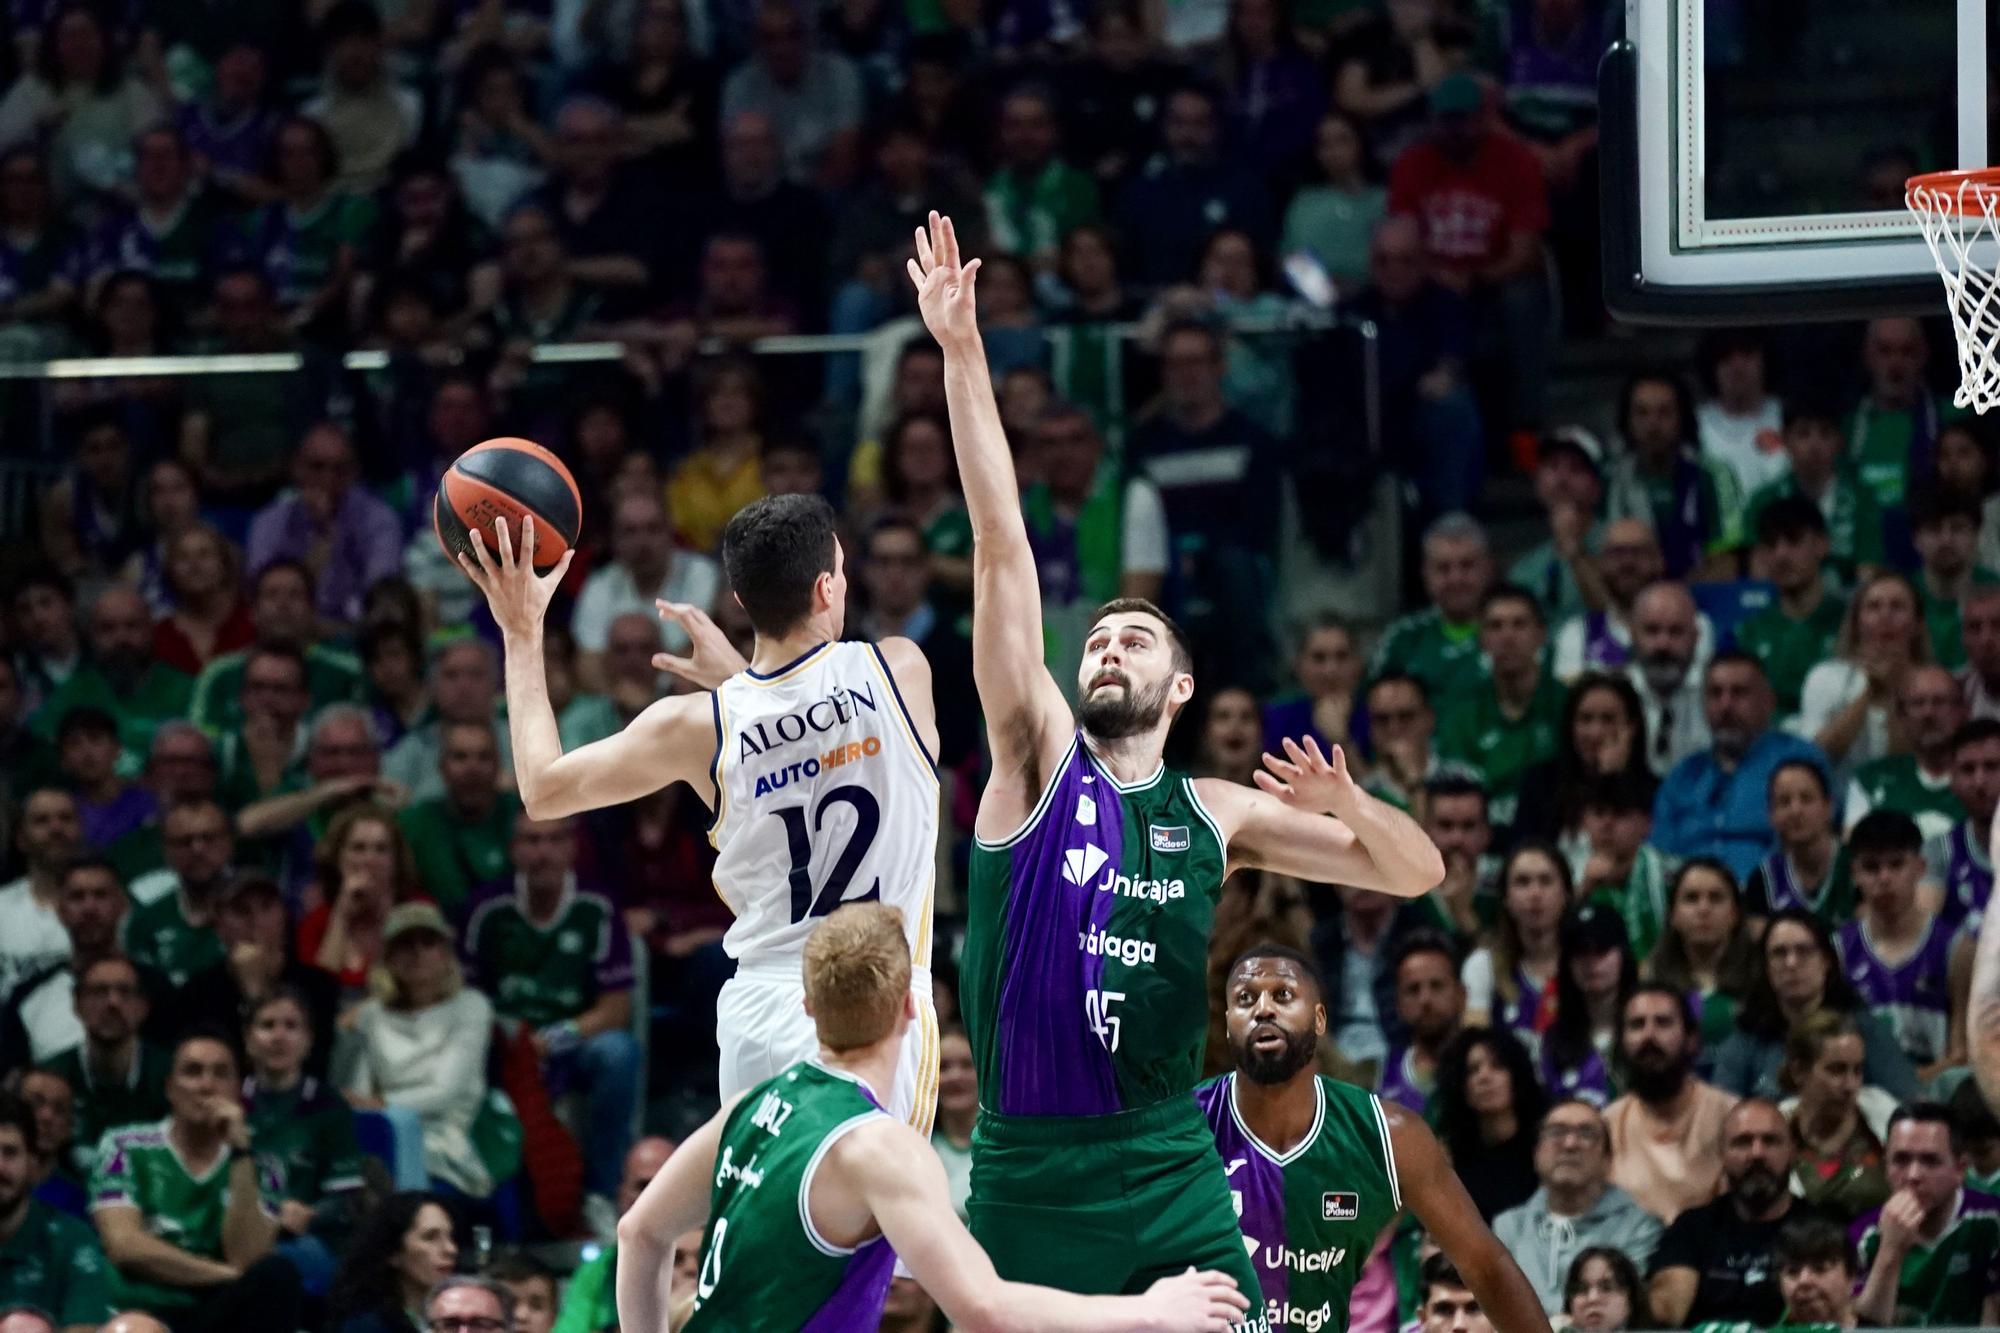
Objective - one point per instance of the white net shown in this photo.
(1960, 218)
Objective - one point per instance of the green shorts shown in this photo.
(1106, 1205)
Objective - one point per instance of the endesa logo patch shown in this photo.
(1339, 1206)
(1173, 839)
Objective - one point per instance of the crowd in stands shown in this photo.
(304, 1024)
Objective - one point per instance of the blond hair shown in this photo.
(857, 971)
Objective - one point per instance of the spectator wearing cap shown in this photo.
(460, 838)
(42, 1018)
(1439, 645)
(1666, 1131)
(256, 960)
(1740, 425)
(172, 922)
(118, 1077)
(1931, 1255)
(1626, 562)
(119, 673)
(48, 836)
(1576, 1206)
(1479, 194)
(1929, 712)
(1569, 485)
(421, 1047)
(557, 959)
(1815, 449)
(1715, 802)
(1424, 353)
(1691, 502)
(1714, 1260)
(1506, 723)
(282, 598)
(1187, 191)
(1799, 628)
(107, 806)
(49, 1261)
(332, 524)
(1957, 864)
(1945, 527)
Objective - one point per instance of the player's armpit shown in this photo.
(672, 741)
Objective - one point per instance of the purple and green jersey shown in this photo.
(1957, 863)
(1911, 996)
(763, 1264)
(1309, 1216)
(1084, 980)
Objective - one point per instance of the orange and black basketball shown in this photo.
(508, 479)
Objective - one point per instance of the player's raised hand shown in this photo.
(711, 658)
(944, 284)
(518, 596)
(1309, 780)
(1194, 1302)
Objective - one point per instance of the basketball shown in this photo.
(510, 479)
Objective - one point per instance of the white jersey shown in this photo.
(824, 794)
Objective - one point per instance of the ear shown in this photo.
(1181, 690)
(1319, 1020)
(910, 1005)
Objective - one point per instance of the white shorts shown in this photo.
(762, 1028)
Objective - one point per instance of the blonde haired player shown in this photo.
(815, 757)
(805, 1185)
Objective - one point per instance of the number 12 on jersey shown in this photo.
(867, 820)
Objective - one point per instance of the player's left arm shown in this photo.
(1368, 844)
(673, 1203)
(911, 671)
(1433, 1191)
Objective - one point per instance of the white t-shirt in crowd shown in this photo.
(1752, 447)
(609, 594)
(1830, 687)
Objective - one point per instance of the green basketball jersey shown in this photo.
(54, 1263)
(1894, 782)
(543, 974)
(1084, 979)
(138, 1167)
(1790, 648)
(307, 1135)
(160, 935)
(1309, 1216)
(1445, 657)
(762, 1263)
(1946, 1282)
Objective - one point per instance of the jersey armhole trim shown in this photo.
(715, 767)
(833, 1136)
(1388, 1151)
(1194, 797)
(909, 722)
(1041, 809)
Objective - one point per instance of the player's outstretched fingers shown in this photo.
(679, 666)
(505, 542)
(924, 248)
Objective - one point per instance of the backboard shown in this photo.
(1754, 154)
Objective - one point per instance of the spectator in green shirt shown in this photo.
(1945, 525)
(1439, 645)
(120, 675)
(1035, 199)
(1506, 723)
(48, 1260)
(1892, 434)
(460, 839)
(173, 928)
(1798, 630)
(1929, 711)
(117, 1076)
(282, 598)
(1853, 518)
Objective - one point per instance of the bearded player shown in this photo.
(805, 1184)
(1318, 1168)
(1094, 879)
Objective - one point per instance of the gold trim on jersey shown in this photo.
(716, 776)
(923, 1100)
(787, 671)
(903, 720)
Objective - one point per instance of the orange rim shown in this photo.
(1944, 190)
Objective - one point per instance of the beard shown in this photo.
(1113, 717)
(1758, 1188)
(1653, 1076)
(1663, 672)
(1271, 1067)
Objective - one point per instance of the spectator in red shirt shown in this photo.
(1478, 194)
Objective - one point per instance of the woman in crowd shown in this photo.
(920, 482)
(1327, 670)
(407, 1246)
(1232, 737)
(392, 659)
(1601, 724)
(1596, 972)
(1706, 952)
(1489, 1112)
(361, 869)
(1510, 978)
(957, 1109)
(420, 1049)
(81, 97)
(1800, 976)
(1846, 701)
(1809, 868)
(307, 1129)
(169, 503)
(207, 614)
(1837, 1121)
(724, 472)
(1334, 219)
(1602, 1294)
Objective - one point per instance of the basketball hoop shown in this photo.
(1959, 213)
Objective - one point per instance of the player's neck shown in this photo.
(874, 1065)
(771, 654)
(1279, 1114)
(1129, 759)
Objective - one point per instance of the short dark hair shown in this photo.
(1884, 833)
(85, 720)
(1811, 766)
(1928, 1113)
(89, 861)
(1176, 639)
(1513, 592)
(894, 523)
(43, 576)
(1976, 1121)
(1622, 793)
(205, 1031)
(1736, 657)
(1394, 677)
(517, 1265)
(1623, 1271)
(84, 970)
(1423, 940)
(1809, 1239)
(1438, 1271)
(15, 1112)
(279, 650)
(1666, 992)
(1937, 504)
(1978, 731)
(285, 564)
(1449, 785)
(1806, 410)
(1286, 953)
(1789, 516)
(774, 551)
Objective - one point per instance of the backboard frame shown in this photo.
(1666, 262)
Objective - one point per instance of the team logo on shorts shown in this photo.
(1173, 839)
(1340, 1206)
